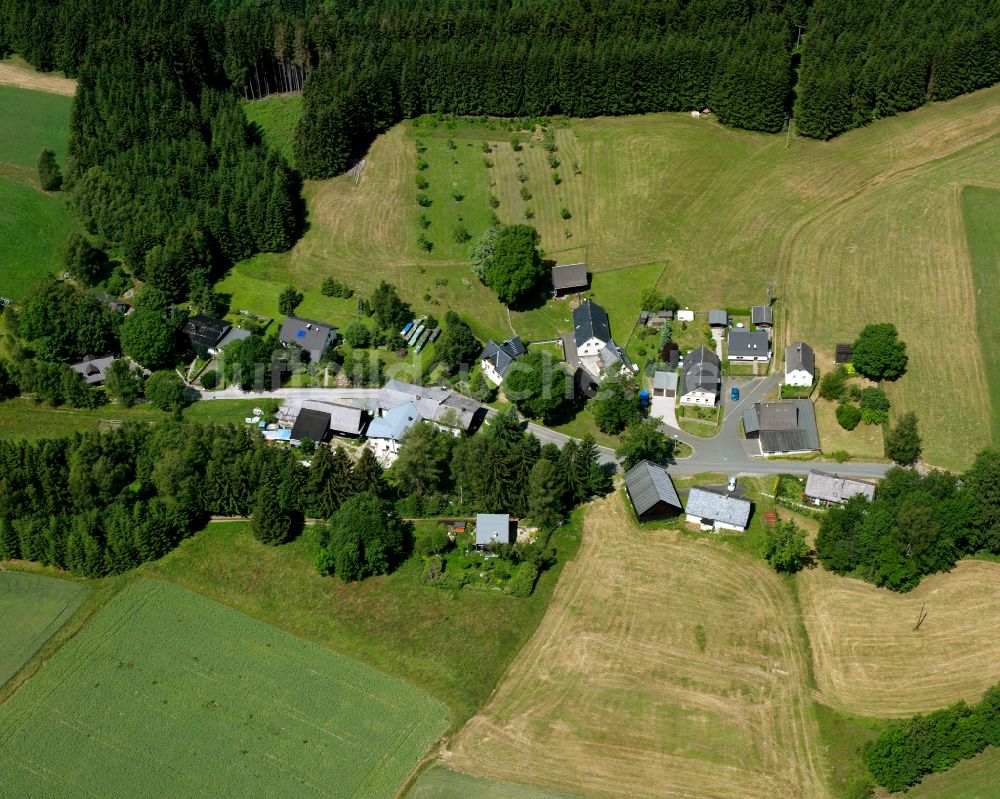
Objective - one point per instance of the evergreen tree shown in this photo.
(544, 505)
(49, 174)
(902, 443)
(269, 522)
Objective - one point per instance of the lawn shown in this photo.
(667, 665)
(454, 645)
(981, 213)
(34, 120)
(167, 692)
(276, 116)
(33, 225)
(33, 608)
(443, 783)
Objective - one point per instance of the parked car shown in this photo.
(731, 485)
(734, 393)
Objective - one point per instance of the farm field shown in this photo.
(869, 660)
(42, 121)
(844, 229)
(33, 608)
(277, 117)
(667, 665)
(15, 71)
(454, 646)
(981, 214)
(33, 225)
(443, 783)
(124, 708)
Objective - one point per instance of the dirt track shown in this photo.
(24, 77)
(665, 666)
(870, 660)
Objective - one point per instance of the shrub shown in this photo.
(462, 234)
(524, 579)
(421, 164)
(564, 213)
(457, 196)
(423, 200)
(49, 174)
(525, 194)
(515, 144)
(358, 335)
(488, 163)
(553, 162)
(494, 201)
(848, 415)
(641, 351)
(841, 455)
(331, 287)
(451, 144)
(874, 406)
(425, 243)
(833, 386)
(424, 221)
(209, 379)
(529, 213)
(486, 147)
(421, 147)
(522, 177)
(556, 179)
(422, 182)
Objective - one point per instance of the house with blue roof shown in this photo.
(385, 432)
(310, 336)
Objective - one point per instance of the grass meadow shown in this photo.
(169, 692)
(443, 783)
(981, 213)
(867, 227)
(454, 645)
(33, 607)
(36, 120)
(276, 116)
(970, 779)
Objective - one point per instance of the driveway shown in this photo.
(664, 408)
(718, 335)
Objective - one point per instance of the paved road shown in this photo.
(726, 453)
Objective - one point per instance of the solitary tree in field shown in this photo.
(49, 174)
(507, 260)
(364, 538)
(83, 260)
(879, 354)
(786, 549)
(902, 444)
(289, 300)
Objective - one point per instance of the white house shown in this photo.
(717, 510)
(800, 364)
(496, 359)
(591, 329)
(385, 432)
(749, 346)
(702, 378)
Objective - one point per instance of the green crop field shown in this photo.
(454, 645)
(33, 225)
(277, 117)
(443, 783)
(867, 227)
(33, 120)
(977, 778)
(981, 212)
(33, 608)
(169, 693)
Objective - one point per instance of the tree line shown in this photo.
(163, 166)
(916, 525)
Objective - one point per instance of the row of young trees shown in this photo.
(917, 525)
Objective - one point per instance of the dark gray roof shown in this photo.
(204, 331)
(788, 426)
(701, 371)
(311, 424)
(761, 315)
(504, 354)
(648, 484)
(748, 343)
(800, 356)
(718, 507)
(590, 320)
(571, 276)
(718, 319)
(751, 421)
(612, 354)
(236, 334)
(492, 528)
(93, 369)
(844, 353)
(312, 336)
(834, 488)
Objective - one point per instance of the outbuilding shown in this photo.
(494, 528)
(718, 319)
(761, 316)
(569, 279)
(832, 489)
(652, 492)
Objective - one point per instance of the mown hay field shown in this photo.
(867, 227)
(15, 71)
(169, 693)
(869, 660)
(32, 608)
(666, 665)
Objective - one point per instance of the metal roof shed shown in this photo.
(651, 492)
(493, 528)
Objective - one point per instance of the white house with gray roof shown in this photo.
(311, 336)
(495, 359)
(749, 346)
(702, 378)
(717, 510)
(591, 328)
(452, 413)
(833, 489)
(800, 364)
